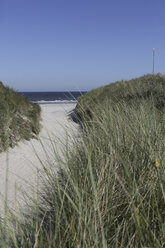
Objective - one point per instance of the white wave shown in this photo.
(54, 101)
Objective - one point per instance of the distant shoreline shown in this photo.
(54, 102)
(52, 97)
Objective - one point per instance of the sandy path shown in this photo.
(22, 160)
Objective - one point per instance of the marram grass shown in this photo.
(19, 118)
(110, 187)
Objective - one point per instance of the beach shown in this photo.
(19, 167)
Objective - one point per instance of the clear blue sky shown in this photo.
(58, 45)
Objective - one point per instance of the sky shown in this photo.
(77, 45)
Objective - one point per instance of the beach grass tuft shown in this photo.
(19, 118)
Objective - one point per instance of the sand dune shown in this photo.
(22, 161)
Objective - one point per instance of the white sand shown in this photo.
(22, 160)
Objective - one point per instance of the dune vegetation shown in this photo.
(132, 92)
(19, 118)
(110, 187)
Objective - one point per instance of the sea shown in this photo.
(53, 97)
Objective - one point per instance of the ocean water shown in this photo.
(52, 97)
